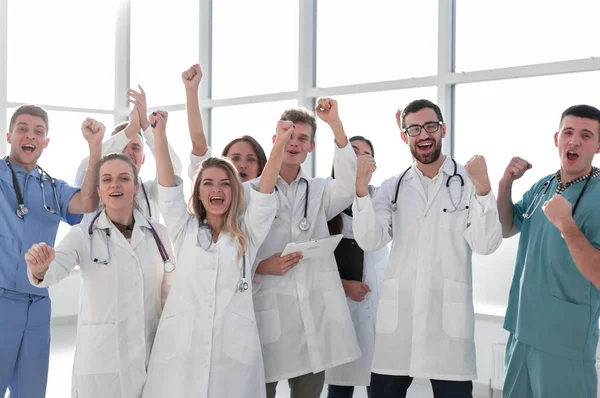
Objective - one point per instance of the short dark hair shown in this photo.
(366, 141)
(119, 127)
(28, 109)
(301, 115)
(256, 147)
(582, 111)
(416, 106)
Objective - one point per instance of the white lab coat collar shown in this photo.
(104, 222)
(301, 174)
(137, 234)
(447, 167)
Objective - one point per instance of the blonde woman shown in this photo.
(207, 343)
(125, 262)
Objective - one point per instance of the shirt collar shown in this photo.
(446, 167)
(560, 188)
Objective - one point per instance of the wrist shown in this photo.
(483, 188)
(144, 124)
(568, 227)
(362, 190)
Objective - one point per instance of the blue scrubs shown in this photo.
(25, 309)
(553, 309)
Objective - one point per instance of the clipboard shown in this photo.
(314, 248)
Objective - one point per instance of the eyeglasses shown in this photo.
(415, 129)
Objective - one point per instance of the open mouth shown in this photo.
(293, 153)
(571, 155)
(28, 148)
(243, 175)
(425, 146)
(217, 200)
(116, 194)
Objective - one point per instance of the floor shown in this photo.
(61, 362)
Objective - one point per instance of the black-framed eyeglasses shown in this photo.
(430, 128)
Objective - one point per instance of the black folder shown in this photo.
(350, 259)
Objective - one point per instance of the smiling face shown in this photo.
(425, 147)
(215, 191)
(577, 143)
(27, 139)
(117, 185)
(300, 144)
(245, 160)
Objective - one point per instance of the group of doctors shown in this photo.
(206, 305)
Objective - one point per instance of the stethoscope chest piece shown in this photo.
(243, 285)
(304, 225)
(394, 207)
(169, 266)
(22, 210)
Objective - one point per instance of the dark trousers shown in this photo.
(343, 391)
(305, 386)
(386, 386)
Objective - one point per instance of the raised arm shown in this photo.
(515, 170)
(86, 200)
(269, 175)
(191, 80)
(164, 166)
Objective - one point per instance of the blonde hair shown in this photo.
(236, 208)
(134, 171)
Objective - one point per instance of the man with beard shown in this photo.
(436, 214)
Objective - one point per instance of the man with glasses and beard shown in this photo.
(436, 214)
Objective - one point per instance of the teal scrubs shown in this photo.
(553, 309)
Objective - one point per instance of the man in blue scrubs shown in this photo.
(554, 300)
(27, 190)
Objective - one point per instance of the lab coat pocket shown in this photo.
(240, 338)
(451, 218)
(175, 330)
(96, 350)
(458, 312)
(334, 297)
(387, 310)
(266, 312)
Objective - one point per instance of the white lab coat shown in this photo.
(358, 372)
(121, 304)
(207, 342)
(149, 190)
(303, 318)
(425, 319)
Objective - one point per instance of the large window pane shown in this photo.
(497, 34)
(67, 147)
(255, 47)
(61, 53)
(494, 122)
(164, 42)
(360, 42)
(372, 115)
(256, 120)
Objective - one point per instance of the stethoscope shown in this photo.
(168, 265)
(242, 285)
(455, 177)
(147, 200)
(304, 224)
(21, 209)
(541, 192)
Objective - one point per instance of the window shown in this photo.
(255, 47)
(164, 43)
(372, 115)
(256, 120)
(492, 121)
(61, 53)
(361, 42)
(500, 34)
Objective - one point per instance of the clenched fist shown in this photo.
(93, 131)
(38, 258)
(191, 77)
(477, 172)
(365, 167)
(558, 210)
(516, 168)
(327, 110)
(158, 121)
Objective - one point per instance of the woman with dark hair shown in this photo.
(244, 152)
(362, 292)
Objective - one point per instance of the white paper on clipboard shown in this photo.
(315, 248)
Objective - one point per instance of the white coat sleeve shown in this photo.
(167, 280)
(173, 208)
(260, 213)
(149, 138)
(484, 231)
(115, 143)
(196, 161)
(372, 218)
(67, 255)
(340, 190)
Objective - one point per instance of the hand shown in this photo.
(365, 167)
(516, 168)
(355, 290)
(327, 110)
(477, 172)
(138, 99)
(284, 131)
(93, 131)
(158, 121)
(38, 258)
(192, 77)
(277, 265)
(399, 118)
(558, 210)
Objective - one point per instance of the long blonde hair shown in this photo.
(236, 208)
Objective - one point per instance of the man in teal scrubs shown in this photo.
(554, 300)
